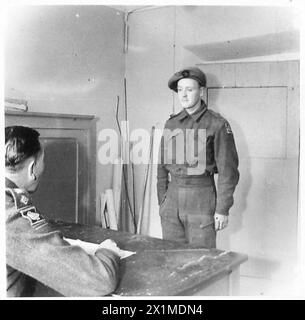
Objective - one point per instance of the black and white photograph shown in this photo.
(153, 150)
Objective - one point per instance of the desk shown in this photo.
(165, 268)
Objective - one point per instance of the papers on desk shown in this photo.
(90, 247)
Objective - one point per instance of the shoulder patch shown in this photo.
(228, 128)
(24, 207)
(31, 214)
(222, 121)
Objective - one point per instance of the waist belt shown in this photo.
(192, 180)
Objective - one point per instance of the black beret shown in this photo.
(191, 72)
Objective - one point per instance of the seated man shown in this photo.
(33, 248)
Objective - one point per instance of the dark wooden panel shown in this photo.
(57, 195)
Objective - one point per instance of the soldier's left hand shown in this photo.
(221, 221)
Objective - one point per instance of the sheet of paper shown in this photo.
(90, 247)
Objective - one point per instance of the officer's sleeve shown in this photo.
(162, 174)
(227, 164)
(44, 255)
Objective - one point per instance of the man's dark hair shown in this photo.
(21, 143)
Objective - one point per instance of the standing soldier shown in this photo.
(196, 144)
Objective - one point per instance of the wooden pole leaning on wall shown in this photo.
(145, 208)
(117, 178)
(128, 219)
(117, 187)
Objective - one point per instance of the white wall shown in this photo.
(215, 24)
(67, 59)
(264, 116)
(149, 61)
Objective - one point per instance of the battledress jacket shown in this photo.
(220, 153)
(35, 250)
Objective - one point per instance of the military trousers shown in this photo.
(187, 211)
